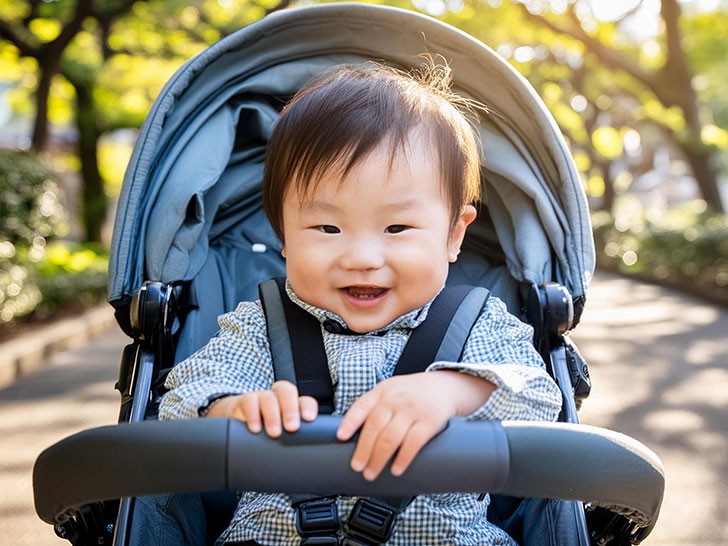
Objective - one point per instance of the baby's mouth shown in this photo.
(365, 292)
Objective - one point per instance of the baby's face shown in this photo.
(376, 244)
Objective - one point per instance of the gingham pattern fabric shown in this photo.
(237, 360)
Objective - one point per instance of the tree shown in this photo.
(111, 58)
(43, 31)
(116, 54)
(671, 83)
(36, 23)
(571, 57)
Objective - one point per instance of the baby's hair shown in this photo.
(341, 115)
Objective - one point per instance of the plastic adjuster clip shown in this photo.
(317, 521)
(369, 523)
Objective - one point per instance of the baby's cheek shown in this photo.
(425, 268)
(422, 288)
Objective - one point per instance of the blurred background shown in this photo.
(638, 87)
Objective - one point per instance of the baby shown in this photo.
(370, 180)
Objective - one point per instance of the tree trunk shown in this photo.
(677, 77)
(93, 208)
(40, 127)
(671, 84)
(608, 197)
(700, 164)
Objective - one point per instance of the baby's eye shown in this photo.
(328, 229)
(396, 228)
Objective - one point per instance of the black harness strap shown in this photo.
(305, 344)
(276, 324)
(449, 320)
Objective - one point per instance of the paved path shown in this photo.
(74, 393)
(659, 366)
(659, 363)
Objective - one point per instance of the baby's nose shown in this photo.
(363, 254)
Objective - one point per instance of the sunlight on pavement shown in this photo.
(708, 388)
(659, 367)
(673, 421)
(74, 393)
(705, 352)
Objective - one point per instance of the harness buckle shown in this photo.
(317, 521)
(320, 540)
(369, 523)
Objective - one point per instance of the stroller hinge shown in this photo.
(550, 310)
(89, 525)
(608, 528)
(578, 371)
(152, 313)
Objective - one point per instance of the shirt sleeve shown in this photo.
(500, 350)
(235, 361)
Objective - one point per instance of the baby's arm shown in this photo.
(232, 376)
(403, 413)
(237, 360)
(500, 350)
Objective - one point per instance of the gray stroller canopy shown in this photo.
(190, 206)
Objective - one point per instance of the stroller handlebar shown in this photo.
(527, 459)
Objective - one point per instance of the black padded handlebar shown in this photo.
(546, 460)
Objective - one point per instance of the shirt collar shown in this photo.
(407, 321)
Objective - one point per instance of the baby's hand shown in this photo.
(404, 413)
(281, 403)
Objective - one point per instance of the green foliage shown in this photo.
(705, 46)
(38, 274)
(19, 295)
(686, 248)
(70, 276)
(29, 206)
(29, 214)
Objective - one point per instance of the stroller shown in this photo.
(191, 241)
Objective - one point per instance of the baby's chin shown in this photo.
(364, 325)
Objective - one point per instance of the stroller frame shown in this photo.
(141, 374)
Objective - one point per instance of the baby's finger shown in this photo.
(287, 394)
(375, 423)
(357, 414)
(246, 409)
(309, 407)
(386, 445)
(416, 438)
(271, 412)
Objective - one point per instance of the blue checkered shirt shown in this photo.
(237, 360)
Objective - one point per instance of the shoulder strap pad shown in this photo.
(277, 327)
(297, 347)
(449, 321)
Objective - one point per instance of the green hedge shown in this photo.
(686, 248)
(39, 274)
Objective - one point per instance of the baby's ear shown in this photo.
(467, 216)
